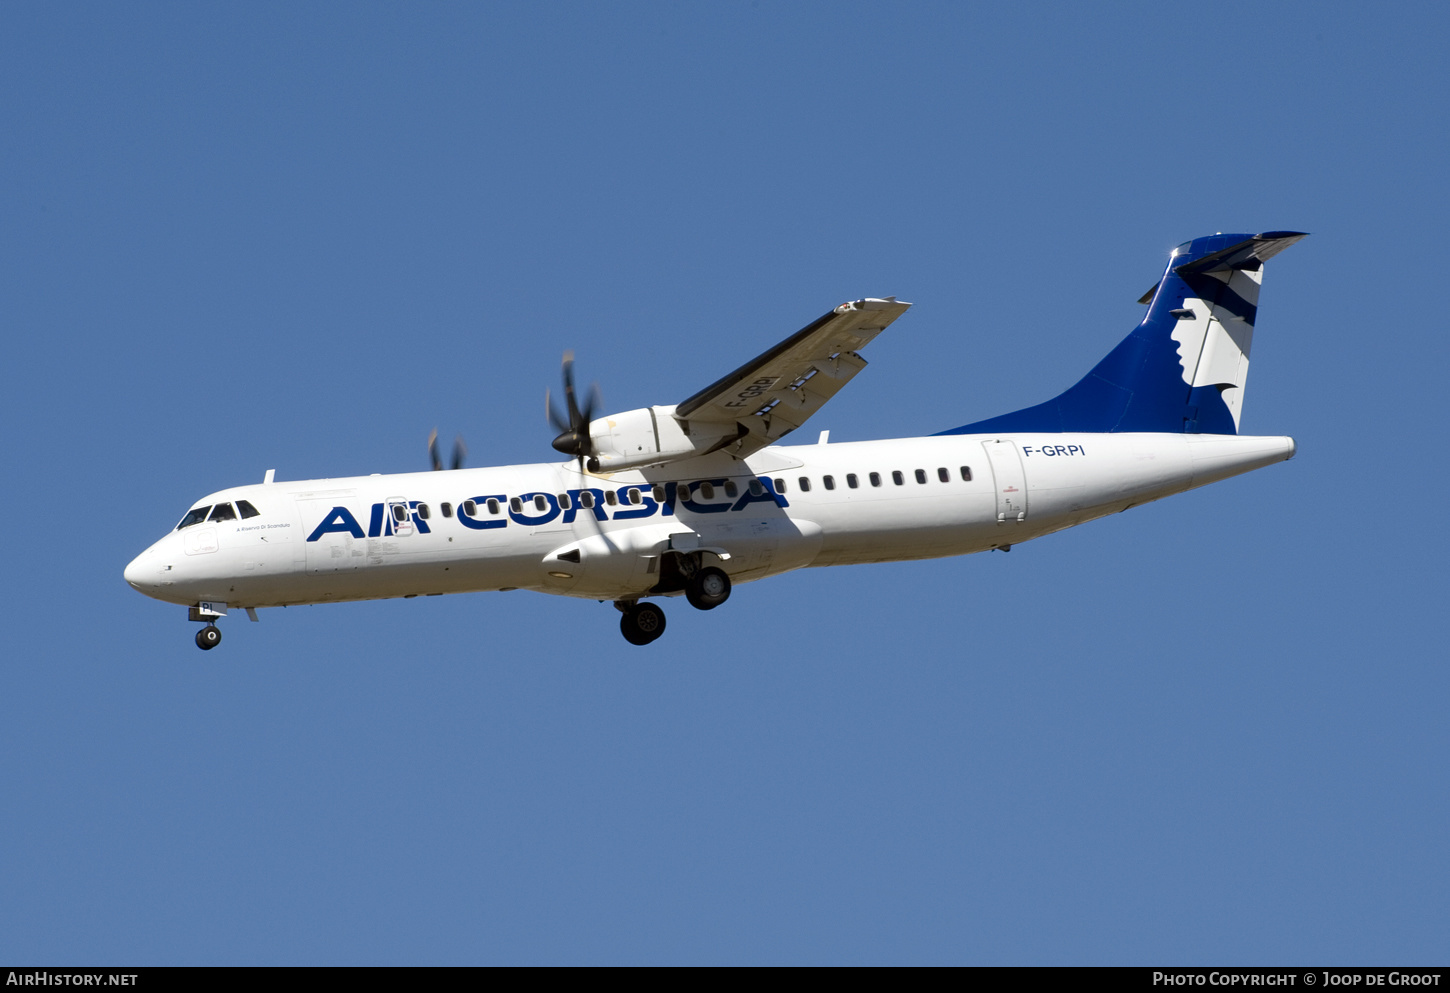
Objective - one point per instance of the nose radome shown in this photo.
(135, 572)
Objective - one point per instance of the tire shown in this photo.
(208, 637)
(708, 588)
(642, 624)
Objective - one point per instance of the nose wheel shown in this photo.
(208, 637)
(642, 623)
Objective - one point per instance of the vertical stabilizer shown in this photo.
(1185, 367)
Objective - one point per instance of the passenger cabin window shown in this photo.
(247, 510)
(756, 489)
(516, 505)
(400, 513)
(852, 481)
(610, 498)
(829, 482)
(223, 512)
(780, 486)
(423, 512)
(943, 475)
(633, 496)
(731, 490)
(447, 508)
(586, 500)
(194, 517)
(564, 502)
(898, 478)
(875, 479)
(805, 484)
(470, 508)
(966, 474)
(659, 493)
(921, 475)
(540, 503)
(493, 506)
(707, 491)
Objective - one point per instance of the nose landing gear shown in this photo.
(208, 610)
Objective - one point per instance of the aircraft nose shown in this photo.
(136, 573)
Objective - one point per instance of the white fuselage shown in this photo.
(325, 540)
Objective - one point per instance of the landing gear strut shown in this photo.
(208, 637)
(642, 623)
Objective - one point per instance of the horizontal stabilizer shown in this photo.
(1248, 254)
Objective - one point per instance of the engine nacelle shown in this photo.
(650, 436)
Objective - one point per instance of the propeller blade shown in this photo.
(573, 438)
(433, 450)
(560, 423)
(591, 403)
(460, 453)
(569, 390)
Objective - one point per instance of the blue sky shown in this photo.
(241, 237)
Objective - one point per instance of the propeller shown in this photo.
(573, 431)
(460, 452)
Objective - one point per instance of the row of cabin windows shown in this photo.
(897, 476)
(221, 512)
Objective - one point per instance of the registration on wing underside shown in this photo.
(777, 391)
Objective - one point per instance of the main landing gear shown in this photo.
(642, 623)
(208, 637)
(708, 588)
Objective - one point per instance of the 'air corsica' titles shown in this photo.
(537, 508)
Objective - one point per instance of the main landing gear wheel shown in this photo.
(208, 637)
(708, 588)
(642, 624)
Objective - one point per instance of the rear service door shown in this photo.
(1010, 480)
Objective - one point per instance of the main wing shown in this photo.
(775, 392)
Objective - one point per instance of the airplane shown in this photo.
(688, 499)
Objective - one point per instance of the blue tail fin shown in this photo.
(1182, 370)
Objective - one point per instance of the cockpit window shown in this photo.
(247, 510)
(223, 512)
(195, 516)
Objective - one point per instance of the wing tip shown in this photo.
(872, 303)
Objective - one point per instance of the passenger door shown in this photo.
(1011, 481)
